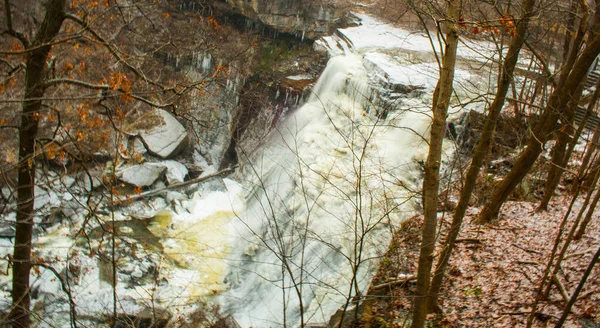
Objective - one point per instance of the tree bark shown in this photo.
(481, 149)
(543, 130)
(34, 90)
(432, 165)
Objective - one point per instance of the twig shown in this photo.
(65, 289)
(526, 250)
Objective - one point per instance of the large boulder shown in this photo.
(141, 175)
(166, 139)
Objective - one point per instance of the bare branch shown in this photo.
(77, 83)
(110, 48)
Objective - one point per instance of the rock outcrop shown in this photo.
(304, 18)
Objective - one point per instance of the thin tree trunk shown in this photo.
(588, 216)
(36, 61)
(573, 299)
(432, 166)
(569, 238)
(546, 274)
(560, 155)
(543, 130)
(481, 149)
(585, 162)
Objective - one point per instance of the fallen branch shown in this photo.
(398, 281)
(526, 250)
(128, 198)
(589, 251)
(469, 240)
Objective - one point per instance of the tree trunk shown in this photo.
(543, 130)
(432, 165)
(573, 299)
(481, 149)
(36, 61)
(587, 158)
(560, 155)
(559, 158)
(588, 216)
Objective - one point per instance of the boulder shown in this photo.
(141, 175)
(166, 139)
(176, 172)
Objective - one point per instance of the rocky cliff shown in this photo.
(303, 18)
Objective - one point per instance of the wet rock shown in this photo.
(166, 139)
(141, 175)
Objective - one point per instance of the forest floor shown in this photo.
(494, 272)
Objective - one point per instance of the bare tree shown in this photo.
(441, 100)
(482, 147)
(569, 82)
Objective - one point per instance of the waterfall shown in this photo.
(323, 196)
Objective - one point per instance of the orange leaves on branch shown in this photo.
(118, 81)
(17, 47)
(214, 24)
(505, 22)
(508, 24)
(53, 151)
(90, 121)
(221, 71)
(67, 67)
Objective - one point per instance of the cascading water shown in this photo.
(323, 197)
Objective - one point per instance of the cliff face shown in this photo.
(305, 18)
